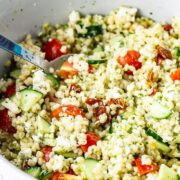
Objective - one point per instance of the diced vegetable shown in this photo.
(53, 79)
(167, 27)
(175, 75)
(52, 49)
(152, 133)
(33, 171)
(88, 167)
(68, 154)
(158, 111)
(29, 98)
(44, 175)
(67, 70)
(43, 125)
(49, 142)
(92, 31)
(161, 146)
(46, 152)
(60, 176)
(6, 122)
(145, 169)
(91, 140)
(131, 58)
(92, 61)
(166, 173)
(111, 127)
(10, 90)
(177, 139)
(177, 51)
(15, 73)
(69, 110)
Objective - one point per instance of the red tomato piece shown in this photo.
(52, 49)
(46, 151)
(167, 27)
(6, 122)
(92, 101)
(69, 110)
(60, 176)
(10, 90)
(131, 58)
(92, 139)
(67, 70)
(90, 69)
(175, 75)
(145, 169)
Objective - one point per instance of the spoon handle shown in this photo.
(16, 49)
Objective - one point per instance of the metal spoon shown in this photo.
(18, 50)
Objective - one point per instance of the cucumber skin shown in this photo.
(54, 80)
(96, 61)
(152, 133)
(33, 171)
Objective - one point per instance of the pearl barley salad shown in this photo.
(111, 112)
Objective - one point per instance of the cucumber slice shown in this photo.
(152, 133)
(33, 171)
(68, 154)
(166, 173)
(53, 79)
(177, 139)
(43, 125)
(161, 146)
(45, 175)
(92, 61)
(111, 127)
(158, 111)
(29, 98)
(49, 142)
(15, 74)
(88, 167)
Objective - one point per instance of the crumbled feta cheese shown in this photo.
(74, 16)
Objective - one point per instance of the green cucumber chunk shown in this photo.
(158, 111)
(29, 98)
(93, 61)
(33, 171)
(15, 74)
(166, 173)
(152, 133)
(43, 125)
(53, 79)
(177, 51)
(161, 146)
(88, 167)
(49, 142)
(68, 154)
(45, 175)
(111, 127)
(177, 139)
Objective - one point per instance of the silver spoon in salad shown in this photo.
(18, 50)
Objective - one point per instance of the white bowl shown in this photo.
(19, 17)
